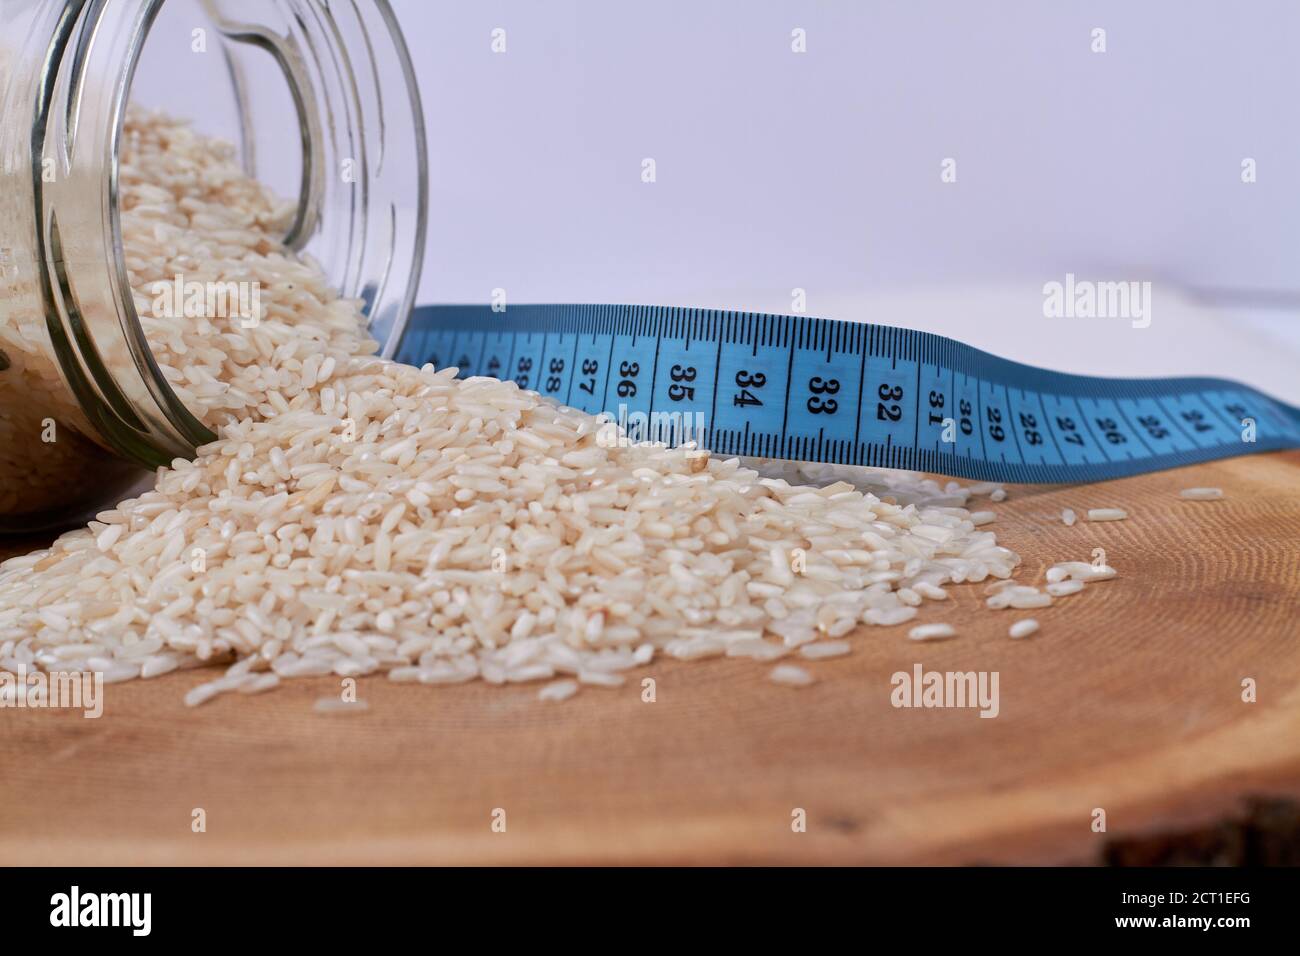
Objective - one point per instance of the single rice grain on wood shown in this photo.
(1023, 628)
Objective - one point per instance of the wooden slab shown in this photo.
(1129, 699)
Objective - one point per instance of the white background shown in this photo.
(821, 170)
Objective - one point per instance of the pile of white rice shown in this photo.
(360, 516)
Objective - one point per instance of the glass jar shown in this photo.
(83, 405)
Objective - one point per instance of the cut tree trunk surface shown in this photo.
(1128, 700)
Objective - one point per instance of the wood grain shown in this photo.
(1128, 699)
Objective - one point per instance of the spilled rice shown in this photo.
(358, 516)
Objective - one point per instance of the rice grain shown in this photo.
(790, 676)
(1023, 628)
(825, 649)
(931, 632)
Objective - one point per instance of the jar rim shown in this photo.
(103, 349)
(95, 331)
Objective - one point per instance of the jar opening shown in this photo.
(333, 80)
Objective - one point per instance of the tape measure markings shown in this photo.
(781, 387)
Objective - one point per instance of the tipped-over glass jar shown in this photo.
(83, 405)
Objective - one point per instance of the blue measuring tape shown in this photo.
(809, 389)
